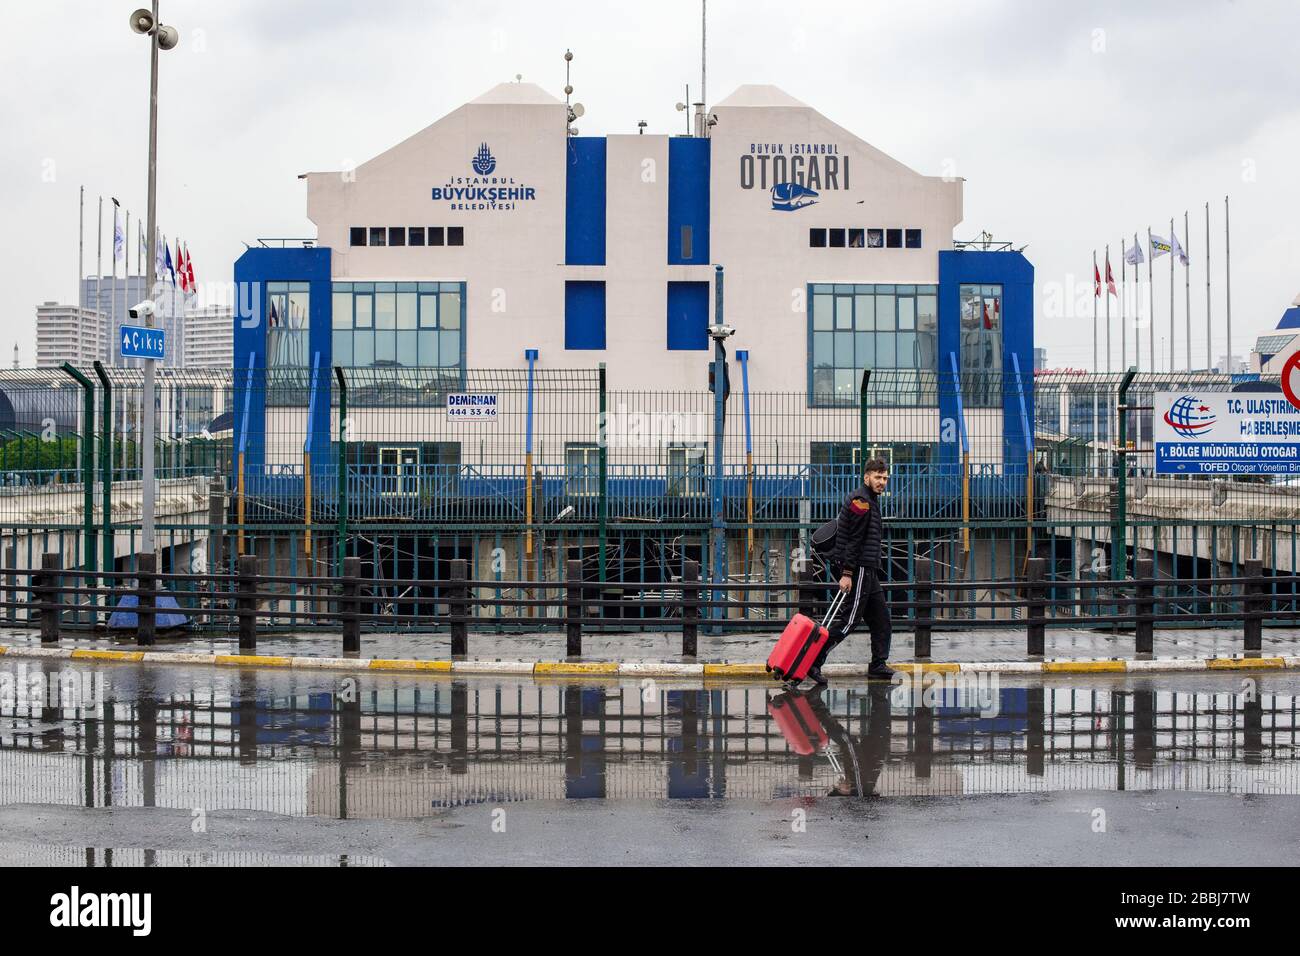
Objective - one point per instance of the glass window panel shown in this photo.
(884, 350)
(913, 238)
(844, 382)
(906, 353)
(385, 347)
(449, 310)
(817, 238)
(343, 347)
(378, 236)
(823, 384)
(363, 287)
(455, 235)
(837, 238)
(363, 348)
(357, 236)
(926, 351)
(843, 312)
(341, 306)
(428, 348)
(893, 238)
(397, 235)
(991, 290)
(406, 310)
(823, 349)
(864, 311)
(449, 348)
(365, 306)
(415, 235)
(822, 287)
(406, 349)
(906, 312)
(905, 290)
(875, 238)
(385, 310)
(927, 312)
(435, 235)
(885, 319)
(428, 310)
(844, 350)
(856, 238)
(822, 307)
(385, 287)
(865, 353)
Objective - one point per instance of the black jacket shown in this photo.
(857, 540)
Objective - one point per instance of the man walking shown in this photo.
(857, 561)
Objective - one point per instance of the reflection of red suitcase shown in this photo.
(801, 642)
(794, 718)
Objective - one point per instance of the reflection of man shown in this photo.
(864, 756)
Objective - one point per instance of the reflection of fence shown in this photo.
(403, 748)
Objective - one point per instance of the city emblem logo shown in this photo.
(1189, 417)
(484, 162)
(788, 197)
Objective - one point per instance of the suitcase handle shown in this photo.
(835, 605)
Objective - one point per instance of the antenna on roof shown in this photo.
(704, 49)
(577, 109)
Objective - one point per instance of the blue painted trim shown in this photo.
(584, 315)
(1025, 430)
(961, 411)
(584, 201)
(531, 356)
(248, 402)
(687, 316)
(311, 403)
(688, 199)
(742, 356)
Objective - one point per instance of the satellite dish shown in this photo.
(680, 107)
(167, 37)
(142, 21)
(579, 109)
(567, 89)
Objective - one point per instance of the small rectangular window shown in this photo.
(688, 242)
(894, 238)
(357, 236)
(913, 238)
(856, 239)
(837, 238)
(378, 236)
(397, 235)
(455, 235)
(435, 235)
(817, 238)
(875, 238)
(415, 235)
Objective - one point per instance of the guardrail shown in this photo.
(45, 598)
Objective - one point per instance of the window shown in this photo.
(836, 238)
(688, 242)
(875, 238)
(455, 235)
(435, 235)
(856, 238)
(855, 327)
(415, 235)
(912, 238)
(288, 318)
(817, 238)
(686, 470)
(688, 316)
(1089, 414)
(357, 236)
(981, 345)
(397, 235)
(411, 324)
(893, 238)
(582, 469)
(584, 315)
(378, 235)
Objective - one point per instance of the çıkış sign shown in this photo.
(794, 174)
(482, 190)
(140, 342)
(472, 405)
(1233, 433)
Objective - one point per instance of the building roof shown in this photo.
(516, 94)
(1290, 318)
(1272, 344)
(761, 94)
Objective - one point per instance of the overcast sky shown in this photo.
(1073, 123)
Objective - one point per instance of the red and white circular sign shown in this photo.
(1291, 378)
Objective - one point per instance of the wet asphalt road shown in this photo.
(128, 765)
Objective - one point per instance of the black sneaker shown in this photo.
(880, 672)
(817, 677)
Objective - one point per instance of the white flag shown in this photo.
(1159, 246)
(1178, 248)
(119, 240)
(1134, 256)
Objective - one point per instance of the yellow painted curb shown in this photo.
(3, 651)
(86, 654)
(252, 660)
(381, 664)
(916, 667)
(735, 670)
(1084, 667)
(554, 668)
(1244, 663)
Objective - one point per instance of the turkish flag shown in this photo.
(1110, 278)
(1096, 282)
(987, 323)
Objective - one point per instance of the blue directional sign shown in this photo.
(138, 342)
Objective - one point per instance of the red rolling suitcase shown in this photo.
(800, 644)
(797, 723)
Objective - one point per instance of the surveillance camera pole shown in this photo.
(147, 477)
(719, 410)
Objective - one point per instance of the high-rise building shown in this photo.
(65, 333)
(114, 297)
(209, 337)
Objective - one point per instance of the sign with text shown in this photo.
(472, 405)
(139, 342)
(1225, 433)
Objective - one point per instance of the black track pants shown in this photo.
(865, 601)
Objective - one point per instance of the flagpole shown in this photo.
(1123, 331)
(1096, 365)
(1171, 293)
(1209, 329)
(1107, 307)
(99, 264)
(1151, 298)
(81, 250)
(112, 287)
(1187, 291)
(126, 265)
(1227, 276)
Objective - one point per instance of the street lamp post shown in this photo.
(160, 38)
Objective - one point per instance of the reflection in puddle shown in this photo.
(29, 854)
(390, 747)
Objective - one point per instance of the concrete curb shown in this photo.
(570, 669)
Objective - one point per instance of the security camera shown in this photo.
(721, 331)
(142, 310)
